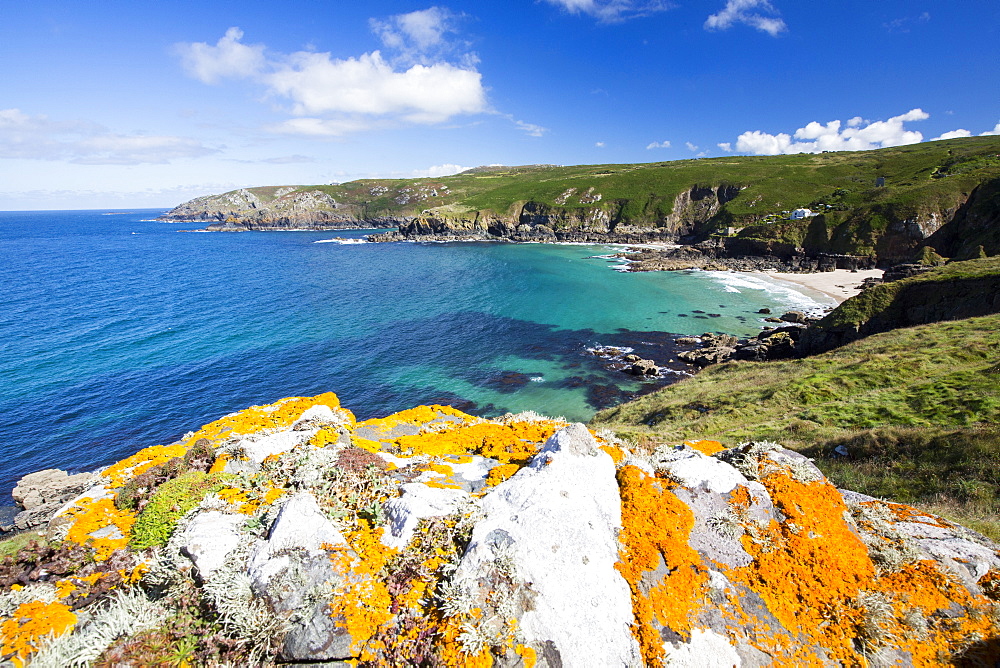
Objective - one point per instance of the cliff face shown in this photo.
(293, 533)
(599, 221)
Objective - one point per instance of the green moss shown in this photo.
(172, 500)
(14, 544)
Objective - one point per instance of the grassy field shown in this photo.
(917, 409)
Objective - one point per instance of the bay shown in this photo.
(119, 332)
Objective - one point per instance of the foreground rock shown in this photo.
(432, 537)
(43, 493)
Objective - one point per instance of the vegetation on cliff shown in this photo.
(883, 202)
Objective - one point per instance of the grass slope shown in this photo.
(921, 180)
(917, 409)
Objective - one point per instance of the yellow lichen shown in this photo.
(142, 461)
(500, 473)
(705, 447)
(91, 516)
(30, 623)
(362, 599)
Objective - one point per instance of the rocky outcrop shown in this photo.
(281, 208)
(42, 494)
(362, 542)
(955, 291)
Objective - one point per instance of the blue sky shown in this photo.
(127, 104)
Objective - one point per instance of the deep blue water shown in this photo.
(118, 332)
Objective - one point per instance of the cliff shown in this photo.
(952, 292)
(293, 533)
(881, 206)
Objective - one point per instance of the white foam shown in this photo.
(788, 294)
(340, 241)
(537, 379)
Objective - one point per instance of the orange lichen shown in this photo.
(655, 530)
(142, 461)
(706, 447)
(617, 454)
(516, 442)
(327, 435)
(92, 516)
(810, 567)
(417, 415)
(278, 415)
(250, 501)
(362, 599)
(219, 466)
(500, 473)
(922, 590)
(30, 623)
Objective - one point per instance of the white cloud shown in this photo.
(599, 144)
(658, 144)
(368, 85)
(446, 169)
(741, 11)
(954, 134)
(725, 146)
(993, 132)
(420, 36)
(332, 97)
(39, 138)
(531, 129)
(691, 147)
(815, 137)
(611, 11)
(903, 24)
(228, 58)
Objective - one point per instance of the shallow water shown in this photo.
(120, 332)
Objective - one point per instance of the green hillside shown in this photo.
(882, 202)
(918, 410)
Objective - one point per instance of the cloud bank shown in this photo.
(80, 142)
(855, 135)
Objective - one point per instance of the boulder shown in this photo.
(293, 571)
(643, 368)
(417, 502)
(209, 538)
(544, 555)
(44, 493)
(794, 316)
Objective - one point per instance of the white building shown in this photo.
(799, 214)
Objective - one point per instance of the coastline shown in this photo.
(840, 284)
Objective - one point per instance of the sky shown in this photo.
(118, 104)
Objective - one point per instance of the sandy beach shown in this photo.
(839, 284)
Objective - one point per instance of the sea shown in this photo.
(118, 332)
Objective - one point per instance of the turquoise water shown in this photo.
(120, 332)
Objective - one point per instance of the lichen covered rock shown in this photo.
(292, 533)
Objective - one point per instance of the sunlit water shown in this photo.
(119, 332)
